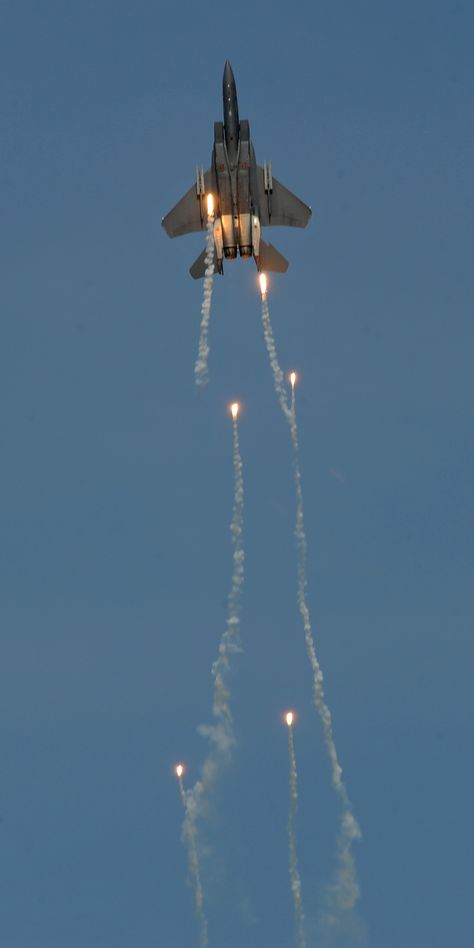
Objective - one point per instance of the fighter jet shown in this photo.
(246, 197)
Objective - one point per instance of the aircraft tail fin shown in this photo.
(271, 259)
(198, 269)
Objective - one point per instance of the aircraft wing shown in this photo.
(190, 213)
(280, 208)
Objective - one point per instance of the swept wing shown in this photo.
(279, 207)
(190, 213)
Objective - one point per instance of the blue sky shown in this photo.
(116, 475)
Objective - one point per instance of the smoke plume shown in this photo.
(201, 371)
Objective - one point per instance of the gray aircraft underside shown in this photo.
(246, 197)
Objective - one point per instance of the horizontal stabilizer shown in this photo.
(271, 259)
(198, 269)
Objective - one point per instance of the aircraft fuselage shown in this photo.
(237, 224)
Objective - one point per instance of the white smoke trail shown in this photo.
(221, 733)
(295, 880)
(201, 372)
(345, 889)
(278, 377)
(189, 837)
(230, 641)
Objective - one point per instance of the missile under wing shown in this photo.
(246, 197)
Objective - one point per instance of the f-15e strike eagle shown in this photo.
(245, 197)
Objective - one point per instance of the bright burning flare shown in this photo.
(210, 205)
(293, 379)
(179, 771)
(289, 718)
(234, 409)
(263, 284)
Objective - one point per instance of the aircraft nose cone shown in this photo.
(228, 74)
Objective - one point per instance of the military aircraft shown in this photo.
(245, 197)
